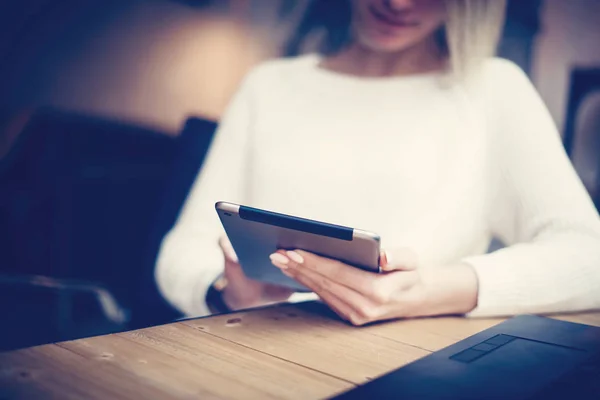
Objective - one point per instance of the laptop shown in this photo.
(525, 357)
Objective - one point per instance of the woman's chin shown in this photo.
(386, 42)
(385, 45)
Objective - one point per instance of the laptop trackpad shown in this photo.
(516, 366)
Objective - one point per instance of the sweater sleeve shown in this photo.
(538, 207)
(190, 258)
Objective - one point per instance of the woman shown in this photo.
(409, 128)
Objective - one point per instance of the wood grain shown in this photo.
(589, 318)
(433, 334)
(296, 351)
(170, 361)
(54, 372)
(314, 339)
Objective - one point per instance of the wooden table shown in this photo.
(294, 351)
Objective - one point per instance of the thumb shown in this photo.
(400, 259)
(234, 273)
(227, 249)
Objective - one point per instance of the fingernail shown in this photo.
(387, 258)
(295, 257)
(279, 260)
(382, 258)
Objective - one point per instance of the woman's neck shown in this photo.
(358, 60)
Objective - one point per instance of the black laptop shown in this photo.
(526, 357)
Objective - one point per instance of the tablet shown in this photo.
(255, 234)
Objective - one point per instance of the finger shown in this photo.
(227, 249)
(354, 278)
(337, 305)
(319, 283)
(401, 259)
(359, 307)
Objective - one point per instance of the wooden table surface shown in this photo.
(296, 351)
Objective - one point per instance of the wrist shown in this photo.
(215, 296)
(449, 290)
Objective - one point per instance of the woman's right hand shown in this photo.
(243, 292)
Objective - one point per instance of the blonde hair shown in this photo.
(472, 32)
(470, 35)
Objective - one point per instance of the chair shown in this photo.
(582, 127)
(192, 145)
(85, 203)
(35, 307)
(38, 309)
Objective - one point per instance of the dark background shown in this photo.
(106, 108)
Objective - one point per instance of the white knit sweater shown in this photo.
(437, 166)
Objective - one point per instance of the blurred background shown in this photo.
(107, 109)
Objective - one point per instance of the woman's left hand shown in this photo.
(402, 290)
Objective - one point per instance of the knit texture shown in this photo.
(427, 163)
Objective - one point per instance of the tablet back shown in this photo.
(255, 234)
